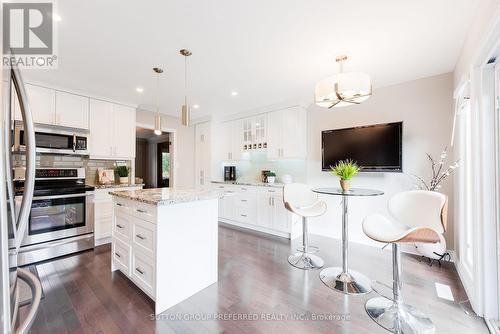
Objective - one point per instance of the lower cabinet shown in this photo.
(103, 213)
(134, 243)
(258, 208)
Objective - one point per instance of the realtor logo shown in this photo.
(28, 34)
(28, 28)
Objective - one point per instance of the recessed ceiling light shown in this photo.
(234, 93)
(56, 17)
(196, 106)
(139, 90)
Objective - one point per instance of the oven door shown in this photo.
(59, 216)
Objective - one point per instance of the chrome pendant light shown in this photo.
(157, 129)
(343, 89)
(185, 110)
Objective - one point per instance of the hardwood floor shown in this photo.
(255, 280)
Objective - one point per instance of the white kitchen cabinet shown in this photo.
(72, 110)
(253, 133)
(43, 104)
(257, 208)
(112, 131)
(231, 141)
(103, 213)
(286, 135)
(124, 131)
(203, 154)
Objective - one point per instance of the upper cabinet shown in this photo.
(43, 104)
(72, 110)
(112, 131)
(286, 134)
(53, 107)
(253, 133)
(231, 140)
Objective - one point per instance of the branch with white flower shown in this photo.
(438, 175)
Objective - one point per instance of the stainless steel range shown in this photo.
(62, 215)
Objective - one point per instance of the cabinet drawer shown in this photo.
(121, 256)
(145, 212)
(144, 236)
(246, 201)
(122, 227)
(245, 215)
(143, 272)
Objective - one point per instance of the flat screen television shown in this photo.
(375, 148)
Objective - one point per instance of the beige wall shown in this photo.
(426, 108)
(183, 143)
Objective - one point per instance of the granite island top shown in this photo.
(116, 185)
(251, 183)
(167, 196)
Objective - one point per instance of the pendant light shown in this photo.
(343, 89)
(157, 130)
(185, 110)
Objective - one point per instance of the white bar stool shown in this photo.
(300, 200)
(418, 216)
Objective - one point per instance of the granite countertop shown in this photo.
(116, 185)
(168, 196)
(250, 183)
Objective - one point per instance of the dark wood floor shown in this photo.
(83, 296)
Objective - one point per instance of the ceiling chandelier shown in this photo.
(185, 110)
(343, 89)
(157, 129)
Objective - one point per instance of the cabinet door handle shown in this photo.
(139, 271)
(140, 237)
(269, 201)
(119, 226)
(141, 211)
(243, 215)
(244, 200)
(272, 199)
(117, 254)
(119, 204)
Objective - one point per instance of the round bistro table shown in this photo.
(341, 278)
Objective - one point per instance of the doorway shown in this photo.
(153, 162)
(163, 164)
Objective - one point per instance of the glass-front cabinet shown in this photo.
(254, 133)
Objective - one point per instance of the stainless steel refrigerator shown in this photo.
(12, 224)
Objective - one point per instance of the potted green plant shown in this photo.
(122, 172)
(345, 170)
(270, 177)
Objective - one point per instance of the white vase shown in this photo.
(123, 179)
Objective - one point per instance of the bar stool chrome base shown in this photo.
(306, 261)
(402, 318)
(352, 283)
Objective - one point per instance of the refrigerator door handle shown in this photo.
(36, 292)
(29, 133)
(8, 157)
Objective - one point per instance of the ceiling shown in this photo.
(267, 51)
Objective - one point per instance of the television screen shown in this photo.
(374, 148)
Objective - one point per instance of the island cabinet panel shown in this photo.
(163, 248)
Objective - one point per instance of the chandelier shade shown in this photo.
(343, 89)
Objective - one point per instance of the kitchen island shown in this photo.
(165, 241)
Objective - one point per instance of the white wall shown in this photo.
(183, 143)
(426, 108)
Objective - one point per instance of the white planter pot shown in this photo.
(271, 179)
(124, 179)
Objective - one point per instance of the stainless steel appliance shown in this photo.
(229, 173)
(62, 215)
(13, 223)
(52, 140)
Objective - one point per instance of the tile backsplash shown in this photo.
(65, 161)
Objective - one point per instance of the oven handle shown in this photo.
(63, 196)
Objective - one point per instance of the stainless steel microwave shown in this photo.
(53, 140)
